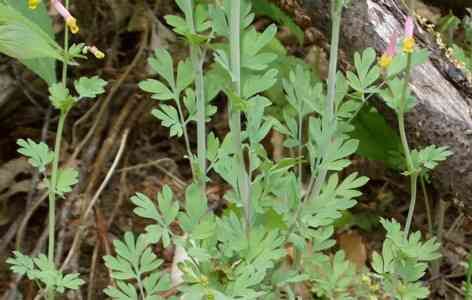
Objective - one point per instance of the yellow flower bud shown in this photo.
(33, 4)
(72, 24)
(409, 45)
(96, 52)
(385, 60)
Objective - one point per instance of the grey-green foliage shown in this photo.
(332, 277)
(163, 217)
(226, 257)
(427, 159)
(44, 272)
(225, 262)
(176, 88)
(403, 262)
(135, 261)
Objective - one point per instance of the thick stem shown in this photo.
(329, 116)
(197, 57)
(235, 115)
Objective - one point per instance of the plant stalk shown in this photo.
(300, 148)
(66, 49)
(314, 187)
(406, 149)
(197, 58)
(55, 165)
(329, 117)
(235, 115)
(185, 133)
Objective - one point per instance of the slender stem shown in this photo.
(55, 165)
(300, 148)
(235, 115)
(66, 50)
(140, 285)
(401, 115)
(427, 205)
(329, 119)
(52, 194)
(187, 141)
(406, 148)
(197, 57)
(411, 209)
(468, 286)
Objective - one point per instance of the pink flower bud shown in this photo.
(392, 45)
(409, 27)
(71, 22)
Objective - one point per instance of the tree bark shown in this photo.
(443, 115)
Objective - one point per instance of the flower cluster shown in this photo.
(409, 41)
(386, 58)
(71, 22)
(408, 44)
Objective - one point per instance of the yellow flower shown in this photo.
(33, 4)
(72, 24)
(385, 60)
(409, 45)
(95, 51)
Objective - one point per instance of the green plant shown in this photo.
(275, 235)
(241, 254)
(268, 207)
(404, 262)
(458, 47)
(44, 50)
(468, 280)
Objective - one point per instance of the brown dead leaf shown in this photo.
(353, 245)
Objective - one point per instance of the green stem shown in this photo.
(329, 118)
(66, 50)
(411, 209)
(184, 129)
(468, 286)
(235, 115)
(427, 205)
(197, 57)
(52, 193)
(55, 164)
(406, 149)
(140, 285)
(300, 148)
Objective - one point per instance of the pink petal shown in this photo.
(392, 45)
(409, 26)
(61, 9)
